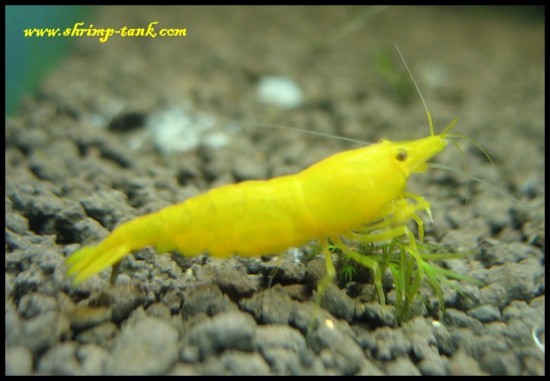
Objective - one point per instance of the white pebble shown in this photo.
(279, 91)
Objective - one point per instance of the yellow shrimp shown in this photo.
(331, 198)
(358, 194)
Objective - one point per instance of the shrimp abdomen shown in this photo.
(249, 218)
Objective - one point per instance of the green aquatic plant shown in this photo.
(390, 245)
(386, 67)
(411, 264)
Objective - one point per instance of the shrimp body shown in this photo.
(331, 198)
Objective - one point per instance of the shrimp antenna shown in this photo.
(310, 132)
(481, 181)
(430, 122)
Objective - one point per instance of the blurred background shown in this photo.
(28, 59)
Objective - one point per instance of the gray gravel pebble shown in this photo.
(102, 334)
(433, 365)
(242, 364)
(159, 310)
(122, 299)
(13, 323)
(336, 348)
(500, 363)
(47, 164)
(82, 318)
(458, 318)
(18, 361)
(338, 303)
(477, 345)
(486, 313)
(286, 351)
(420, 332)
(147, 346)
(17, 223)
(30, 305)
(377, 314)
(462, 364)
(402, 366)
(493, 294)
(280, 336)
(41, 332)
(468, 297)
(270, 306)
(105, 207)
(245, 169)
(232, 279)
(284, 270)
(443, 339)
(92, 359)
(498, 254)
(519, 279)
(28, 281)
(387, 343)
(60, 360)
(206, 299)
(174, 300)
(227, 330)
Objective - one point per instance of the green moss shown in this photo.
(386, 67)
(411, 264)
(389, 244)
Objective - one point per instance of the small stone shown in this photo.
(41, 332)
(337, 349)
(402, 366)
(92, 359)
(462, 364)
(485, 313)
(148, 346)
(270, 306)
(227, 330)
(244, 364)
(18, 361)
(102, 334)
(206, 299)
(60, 360)
(458, 318)
(82, 318)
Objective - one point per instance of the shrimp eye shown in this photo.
(401, 155)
